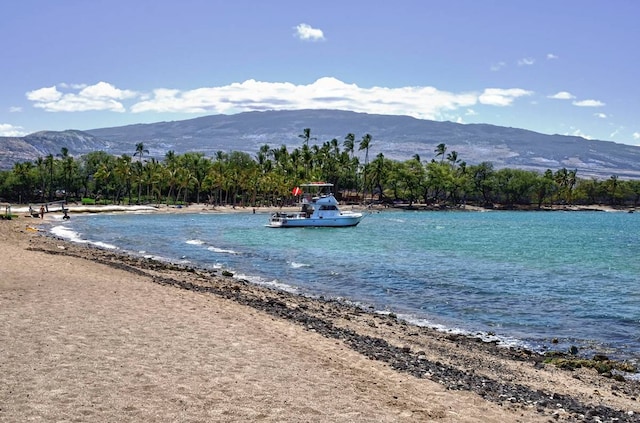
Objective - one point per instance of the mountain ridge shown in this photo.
(397, 137)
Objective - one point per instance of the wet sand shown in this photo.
(90, 335)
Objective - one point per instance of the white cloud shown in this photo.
(325, 93)
(562, 95)
(579, 133)
(308, 33)
(8, 130)
(45, 95)
(105, 91)
(423, 102)
(497, 66)
(551, 56)
(527, 61)
(636, 135)
(501, 97)
(615, 133)
(15, 109)
(600, 115)
(73, 86)
(101, 96)
(588, 103)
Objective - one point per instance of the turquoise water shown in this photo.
(524, 278)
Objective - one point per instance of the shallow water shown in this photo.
(522, 277)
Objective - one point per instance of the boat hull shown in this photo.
(323, 222)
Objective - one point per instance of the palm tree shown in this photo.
(612, 188)
(307, 156)
(41, 165)
(49, 161)
(122, 173)
(440, 150)
(68, 167)
(22, 171)
(306, 136)
(453, 158)
(140, 151)
(365, 143)
(379, 173)
(349, 145)
(102, 177)
(199, 167)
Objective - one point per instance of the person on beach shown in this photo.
(42, 212)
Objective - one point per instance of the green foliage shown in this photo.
(237, 178)
(599, 363)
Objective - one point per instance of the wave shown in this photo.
(73, 236)
(222, 250)
(500, 340)
(195, 242)
(273, 283)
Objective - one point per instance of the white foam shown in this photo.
(221, 250)
(502, 341)
(257, 280)
(73, 236)
(297, 265)
(195, 242)
(632, 376)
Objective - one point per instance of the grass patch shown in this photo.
(599, 363)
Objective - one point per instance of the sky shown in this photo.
(567, 67)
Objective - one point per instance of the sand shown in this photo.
(90, 336)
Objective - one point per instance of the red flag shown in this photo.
(296, 191)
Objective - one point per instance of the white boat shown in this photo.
(318, 209)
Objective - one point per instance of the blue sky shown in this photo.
(557, 67)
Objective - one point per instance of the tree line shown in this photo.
(266, 179)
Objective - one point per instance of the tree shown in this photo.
(122, 173)
(365, 143)
(611, 186)
(306, 136)
(440, 150)
(89, 165)
(41, 167)
(349, 145)
(379, 171)
(452, 158)
(439, 180)
(140, 152)
(25, 179)
(545, 187)
(50, 165)
(198, 166)
(515, 185)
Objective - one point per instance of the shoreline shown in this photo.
(23, 210)
(468, 369)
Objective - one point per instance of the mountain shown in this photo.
(397, 137)
(40, 144)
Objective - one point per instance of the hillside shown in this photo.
(397, 137)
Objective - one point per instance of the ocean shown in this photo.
(538, 280)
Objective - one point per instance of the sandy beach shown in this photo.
(87, 335)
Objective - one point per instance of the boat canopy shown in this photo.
(317, 185)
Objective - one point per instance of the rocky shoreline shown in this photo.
(513, 378)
